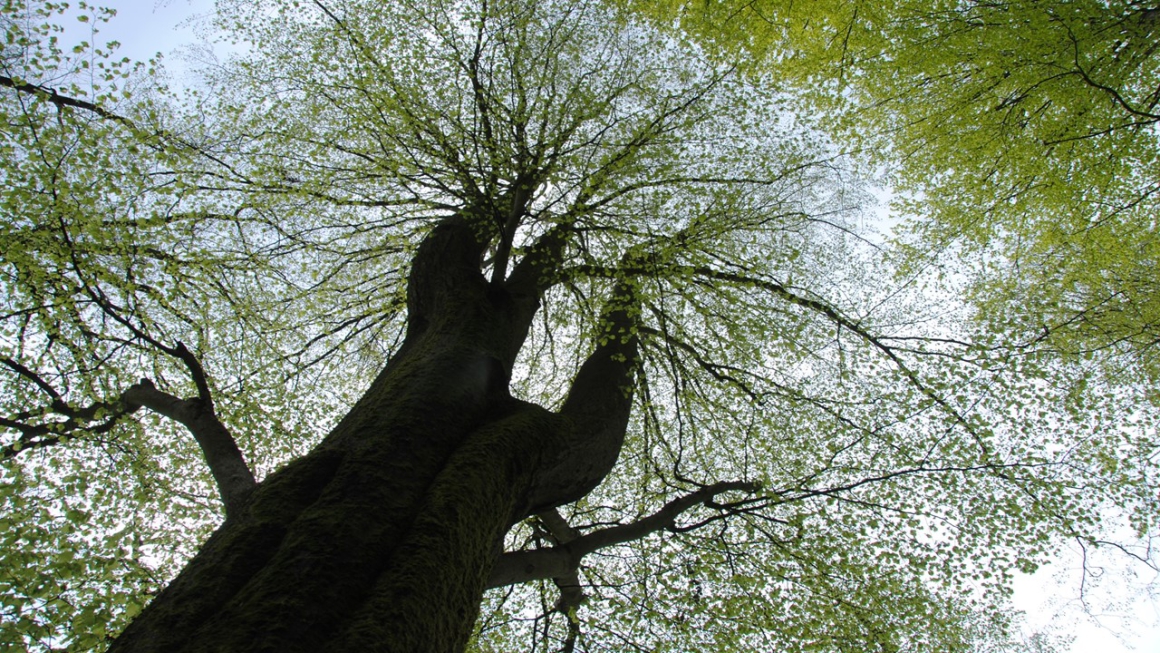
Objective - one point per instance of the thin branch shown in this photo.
(1112, 93)
(814, 305)
(65, 101)
(227, 465)
(39, 436)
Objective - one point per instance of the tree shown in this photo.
(1024, 133)
(520, 295)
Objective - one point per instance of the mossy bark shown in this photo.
(383, 537)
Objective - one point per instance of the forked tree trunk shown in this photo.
(383, 537)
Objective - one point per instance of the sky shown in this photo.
(1122, 618)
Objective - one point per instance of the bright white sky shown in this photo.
(1127, 619)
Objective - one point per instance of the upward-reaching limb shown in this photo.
(597, 408)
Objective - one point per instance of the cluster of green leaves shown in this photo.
(1022, 135)
(72, 565)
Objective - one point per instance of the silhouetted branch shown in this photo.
(227, 465)
(233, 477)
(561, 560)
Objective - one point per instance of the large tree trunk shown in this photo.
(383, 537)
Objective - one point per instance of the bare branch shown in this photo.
(559, 561)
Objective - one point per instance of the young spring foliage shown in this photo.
(819, 456)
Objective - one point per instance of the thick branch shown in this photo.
(233, 477)
(35, 378)
(601, 393)
(596, 410)
(444, 271)
(562, 532)
(559, 561)
(517, 198)
(200, 380)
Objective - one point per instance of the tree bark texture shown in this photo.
(384, 536)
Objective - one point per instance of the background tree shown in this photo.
(1023, 133)
(443, 265)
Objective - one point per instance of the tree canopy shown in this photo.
(822, 447)
(1022, 135)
